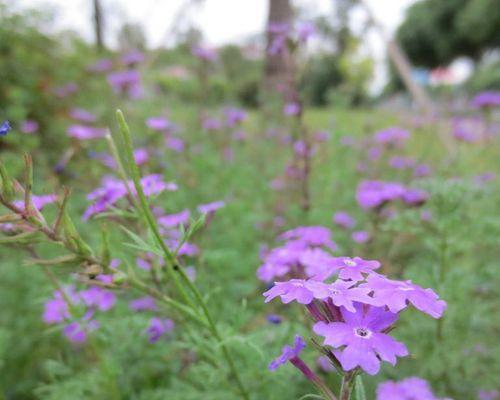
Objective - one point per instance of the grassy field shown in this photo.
(455, 252)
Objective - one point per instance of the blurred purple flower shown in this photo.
(159, 123)
(39, 202)
(175, 144)
(102, 65)
(393, 136)
(174, 220)
(82, 115)
(83, 132)
(486, 99)
(373, 194)
(66, 90)
(126, 82)
(361, 236)
(5, 128)
(210, 207)
(143, 304)
(204, 53)
(292, 109)
(234, 116)
(344, 220)
(29, 126)
(412, 388)
(158, 327)
(133, 57)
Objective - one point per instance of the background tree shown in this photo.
(435, 32)
(98, 24)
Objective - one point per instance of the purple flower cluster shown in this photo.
(65, 308)
(112, 190)
(356, 311)
(393, 136)
(486, 99)
(301, 255)
(283, 32)
(412, 388)
(375, 194)
(127, 82)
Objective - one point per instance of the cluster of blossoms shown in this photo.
(353, 306)
(204, 53)
(373, 195)
(300, 256)
(488, 99)
(75, 310)
(82, 130)
(112, 190)
(412, 388)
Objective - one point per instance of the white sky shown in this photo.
(222, 21)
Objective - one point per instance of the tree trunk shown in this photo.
(278, 67)
(98, 25)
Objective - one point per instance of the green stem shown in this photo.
(170, 258)
(347, 384)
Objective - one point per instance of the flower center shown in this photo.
(350, 263)
(363, 333)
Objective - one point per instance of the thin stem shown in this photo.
(347, 385)
(170, 258)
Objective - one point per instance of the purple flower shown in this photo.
(102, 65)
(488, 395)
(288, 353)
(173, 220)
(399, 162)
(55, 311)
(415, 197)
(158, 327)
(159, 123)
(82, 115)
(393, 136)
(467, 130)
(421, 170)
(342, 293)
(344, 220)
(204, 53)
(310, 236)
(361, 236)
(354, 268)
(274, 319)
(175, 144)
(299, 290)
(154, 184)
(412, 388)
(396, 295)
(39, 202)
(234, 116)
(98, 297)
(318, 264)
(211, 124)
(292, 109)
(83, 132)
(143, 304)
(29, 126)
(126, 82)
(373, 194)
(486, 99)
(75, 332)
(210, 207)
(362, 335)
(5, 128)
(141, 156)
(305, 30)
(133, 57)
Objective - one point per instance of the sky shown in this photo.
(222, 21)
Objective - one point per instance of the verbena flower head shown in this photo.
(344, 220)
(393, 136)
(102, 65)
(234, 116)
(412, 388)
(467, 129)
(81, 115)
(84, 132)
(159, 123)
(361, 236)
(158, 327)
(310, 236)
(487, 99)
(292, 109)
(373, 194)
(5, 128)
(211, 207)
(288, 353)
(29, 126)
(133, 57)
(143, 304)
(126, 82)
(174, 220)
(361, 339)
(39, 202)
